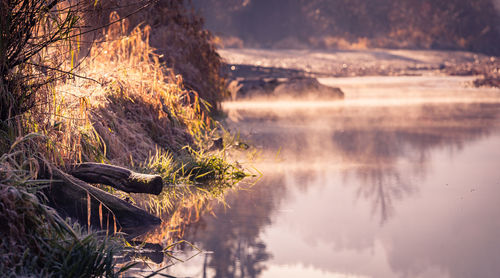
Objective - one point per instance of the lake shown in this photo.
(399, 179)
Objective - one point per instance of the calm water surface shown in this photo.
(400, 179)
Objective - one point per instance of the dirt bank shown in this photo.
(257, 63)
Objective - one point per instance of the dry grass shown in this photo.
(337, 42)
(122, 104)
(179, 38)
(136, 106)
(35, 241)
(140, 115)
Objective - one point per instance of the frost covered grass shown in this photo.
(120, 104)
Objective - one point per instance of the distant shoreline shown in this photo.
(243, 63)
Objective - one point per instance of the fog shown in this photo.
(396, 180)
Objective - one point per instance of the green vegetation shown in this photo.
(120, 101)
(194, 179)
(35, 240)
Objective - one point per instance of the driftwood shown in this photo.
(295, 88)
(118, 177)
(71, 196)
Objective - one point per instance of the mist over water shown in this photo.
(399, 179)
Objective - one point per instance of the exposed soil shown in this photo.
(256, 64)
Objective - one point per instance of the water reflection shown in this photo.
(377, 144)
(234, 234)
(379, 190)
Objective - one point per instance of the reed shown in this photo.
(121, 104)
(35, 240)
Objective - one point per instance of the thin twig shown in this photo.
(66, 72)
(112, 22)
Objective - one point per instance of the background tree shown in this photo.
(449, 24)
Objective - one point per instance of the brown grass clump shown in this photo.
(132, 97)
(118, 104)
(34, 240)
(141, 116)
(129, 105)
(179, 38)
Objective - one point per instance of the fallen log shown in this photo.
(279, 88)
(118, 177)
(77, 199)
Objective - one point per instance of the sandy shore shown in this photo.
(259, 63)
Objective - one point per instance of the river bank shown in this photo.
(111, 111)
(369, 186)
(260, 64)
(340, 178)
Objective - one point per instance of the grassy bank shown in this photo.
(117, 101)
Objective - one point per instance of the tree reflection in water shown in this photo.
(377, 141)
(381, 149)
(376, 146)
(233, 234)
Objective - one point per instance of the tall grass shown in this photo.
(27, 29)
(200, 175)
(34, 240)
(139, 105)
(120, 105)
(179, 37)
